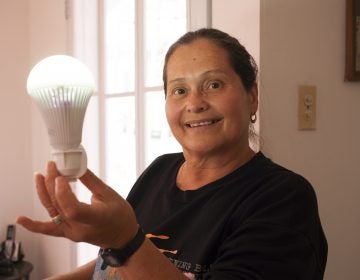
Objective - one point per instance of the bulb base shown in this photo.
(71, 163)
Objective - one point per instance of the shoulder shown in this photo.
(161, 170)
(277, 179)
(278, 195)
(281, 180)
(283, 198)
(273, 220)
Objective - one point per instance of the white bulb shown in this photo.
(61, 86)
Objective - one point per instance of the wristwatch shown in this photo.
(118, 257)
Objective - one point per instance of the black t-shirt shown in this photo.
(260, 221)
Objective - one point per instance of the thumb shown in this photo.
(93, 183)
(69, 205)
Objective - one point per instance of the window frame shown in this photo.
(86, 42)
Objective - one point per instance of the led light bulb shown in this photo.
(61, 86)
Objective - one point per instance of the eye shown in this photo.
(179, 91)
(214, 85)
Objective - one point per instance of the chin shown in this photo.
(200, 147)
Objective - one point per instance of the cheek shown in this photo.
(237, 111)
(172, 115)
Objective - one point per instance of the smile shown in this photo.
(201, 123)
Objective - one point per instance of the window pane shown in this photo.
(119, 44)
(90, 134)
(165, 21)
(120, 144)
(158, 137)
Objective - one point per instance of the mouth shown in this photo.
(201, 123)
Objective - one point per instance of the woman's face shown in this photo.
(207, 107)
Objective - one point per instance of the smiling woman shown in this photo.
(203, 109)
(207, 105)
(218, 210)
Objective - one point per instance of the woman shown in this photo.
(216, 211)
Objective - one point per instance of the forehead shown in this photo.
(201, 51)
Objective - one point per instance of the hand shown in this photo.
(109, 221)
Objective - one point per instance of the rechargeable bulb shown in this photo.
(61, 87)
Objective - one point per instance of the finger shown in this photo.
(94, 184)
(44, 195)
(51, 174)
(48, 228)
(70, 206)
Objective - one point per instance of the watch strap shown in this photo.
(117, 257)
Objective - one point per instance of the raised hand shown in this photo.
(108, 221)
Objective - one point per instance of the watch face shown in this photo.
(117, 257)
(110, 259)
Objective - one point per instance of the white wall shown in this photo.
(47, 36)
(30, 30)
(16, 188)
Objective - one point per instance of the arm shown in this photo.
(83, 272)
(148, 263)
(108, 222)
(277, 235)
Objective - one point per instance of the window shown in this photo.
(133, 50)
(124, 43)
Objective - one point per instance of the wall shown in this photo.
(240, 19)
(47, 36)
(303, 42)
(329, 156)
(30, 30)
(16, 188)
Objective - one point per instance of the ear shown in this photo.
(253, 99)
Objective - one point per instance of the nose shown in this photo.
(196, 102)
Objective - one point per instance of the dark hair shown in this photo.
(241, 61)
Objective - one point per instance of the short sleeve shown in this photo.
(281, 238)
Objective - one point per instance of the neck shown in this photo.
(198, 171)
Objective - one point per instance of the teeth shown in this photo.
(201, 123)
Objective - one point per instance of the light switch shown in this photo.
(307, 107)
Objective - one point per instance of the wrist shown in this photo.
(123, 239)
(116, 257)
(122, 232)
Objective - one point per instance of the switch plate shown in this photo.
(307, 107)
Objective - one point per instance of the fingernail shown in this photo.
(59, 180)
(37, 175)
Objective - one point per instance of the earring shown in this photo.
(253, 118)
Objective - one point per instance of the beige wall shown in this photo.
(47, 36)
(302, 42)
(16, 189)
(30, 30)
(240, 19)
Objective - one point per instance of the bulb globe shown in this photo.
(61, 87)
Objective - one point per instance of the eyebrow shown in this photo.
(206, 73)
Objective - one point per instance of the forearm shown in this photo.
(83, 272)
(148, 263)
